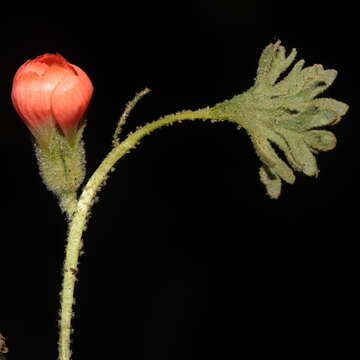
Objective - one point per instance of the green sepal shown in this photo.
(62, 165)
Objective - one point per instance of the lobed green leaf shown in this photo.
(287, 113)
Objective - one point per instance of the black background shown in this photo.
(185, 255)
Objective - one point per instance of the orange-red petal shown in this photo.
(48, 90)
(70, 100)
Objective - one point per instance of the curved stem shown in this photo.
(79, 219)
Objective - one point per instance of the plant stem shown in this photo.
(84, 204)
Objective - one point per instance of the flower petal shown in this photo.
(69, 101)
(53, 60)
(31, 100)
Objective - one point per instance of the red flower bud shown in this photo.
(50, 91)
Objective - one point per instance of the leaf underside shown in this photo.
(286, 112)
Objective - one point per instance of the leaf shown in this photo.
(273, 63)
(321, 140)
(286, 113)
(300, 151)
(271, 181)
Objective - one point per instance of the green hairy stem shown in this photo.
(282, 112)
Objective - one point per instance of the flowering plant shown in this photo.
(51, 96)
